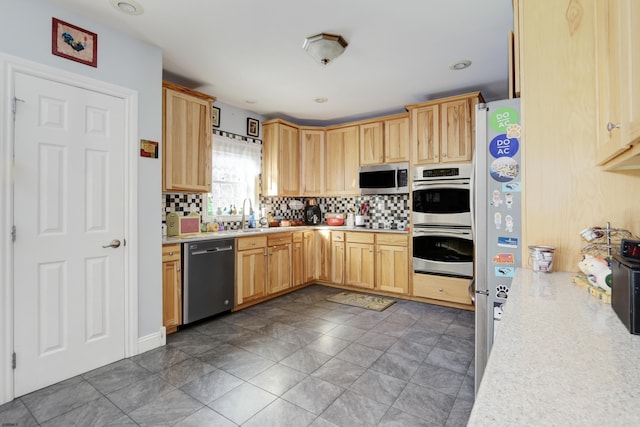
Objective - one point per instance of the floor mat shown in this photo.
(360, 300)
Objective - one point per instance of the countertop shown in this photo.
(560, 357)
(232, 234)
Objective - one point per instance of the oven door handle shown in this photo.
(422, 185)
(442, 233)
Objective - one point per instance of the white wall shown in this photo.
(25, 31)
(234, 120)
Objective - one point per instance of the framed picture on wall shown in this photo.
(215, 113)
(253, 127)
(74, 43)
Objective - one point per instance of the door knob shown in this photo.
(114, 244)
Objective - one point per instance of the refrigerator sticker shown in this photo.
(501, 146)
(497, 310)
(502, 118)
(505, 271)
(504, 169)
(508, 200)
(513, 131)
(502, 291)
(496, 200)
(508, 242)
(497, 218)
(504, 259)
(508, 224)
(513, 186)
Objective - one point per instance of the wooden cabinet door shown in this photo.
(371, 143)
(425, 134)
(171, 288)
(618, 70)
(337, 265)
(280, 160)
(359, 259)
(323, 255)
(312, 162)
(289, 161)
(251, 270)
(392, 268)
(279, 268)
(186, 142)
(456, 131)
(297, 261)
(396, 140)
(342, 161)
(309, 256)
(270, 159)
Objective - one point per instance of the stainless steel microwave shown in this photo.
(391, 178)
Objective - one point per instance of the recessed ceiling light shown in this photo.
(250, 101)
(130, 7)
(321, 100)
(460, 65)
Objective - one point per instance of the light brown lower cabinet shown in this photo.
(308, 257)
(279, 262)
(359, 260)
(297, 259)
(337, 257)
(392, 263)
(323, 255)
(171, 288)
(251, 268)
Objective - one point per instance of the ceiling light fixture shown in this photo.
(324, 47)
(321, 100)
(130, 7)
(460, 65)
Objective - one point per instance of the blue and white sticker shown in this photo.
(501, 146)
(505, 271)
(513, 186)
(508, 242)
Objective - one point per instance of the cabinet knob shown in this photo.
(253, 243)
(170, 253)
(178, 269)
(611, 126)
(440, 290)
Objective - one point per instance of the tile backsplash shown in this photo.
(385, 211)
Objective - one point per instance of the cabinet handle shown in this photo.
(170, 253)
(440, 290)
(611, 126)
(178, 269)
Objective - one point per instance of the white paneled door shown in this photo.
(69, 208)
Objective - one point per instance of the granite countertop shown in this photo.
(232, 234)
(560, 357)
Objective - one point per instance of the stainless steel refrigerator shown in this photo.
(497, 216)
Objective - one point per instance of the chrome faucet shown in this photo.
(244, 211)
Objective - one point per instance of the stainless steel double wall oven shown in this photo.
(442, 219)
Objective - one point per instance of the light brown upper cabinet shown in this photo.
(385, 141)
(442, 131)
(342, 161)
(280, 159)
(312, 162)
(618, 79)
(186, 139)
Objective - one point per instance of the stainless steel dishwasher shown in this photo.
(208, 278)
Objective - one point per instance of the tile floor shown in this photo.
(294, 361)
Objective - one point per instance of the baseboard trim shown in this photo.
(151, 341)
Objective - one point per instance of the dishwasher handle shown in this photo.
(213, 250)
